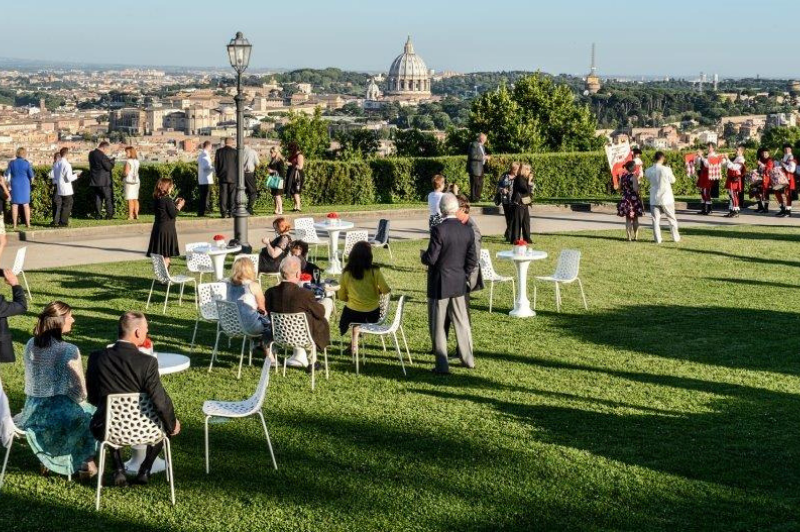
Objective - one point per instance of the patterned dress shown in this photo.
(630, 206)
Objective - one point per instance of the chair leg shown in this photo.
(194, 336)
(207, 460)
(534, 294)
(5, 462)
(327, 374)
(250, 360)
(214, 353)
(405, 342)
(269, 443)
(558, 298)
(241, 358)
(399, 354)
(194, 285)
(100, 475)
(391, 256)
(313, 363)
(491, 295)
(169, 285)
(383, 343)
(27, 286)
(180, 298)
(583, 295)
(168, 447)
(152, 285)
(284, 362)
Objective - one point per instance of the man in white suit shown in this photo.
(661, 199)
(205, 177)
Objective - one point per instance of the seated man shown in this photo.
(300, 250)
(122, 368)
(288, 298)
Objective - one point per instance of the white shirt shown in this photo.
(250, 160)
(661, 179)
(63, 176)
(737, 164)
(205, 169)
(789, 164)
(433, 202)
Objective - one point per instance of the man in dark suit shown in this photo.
(100, 167)
(122, 368)
(7, 309)
(476, 163)
(288, 297)
(451, 259)
(226, 166)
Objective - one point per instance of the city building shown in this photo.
(129, 120)
(781, 120)
(409, 77)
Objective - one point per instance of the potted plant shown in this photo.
(219, 241)
(147, 347)
(520, 247)
(333, 218)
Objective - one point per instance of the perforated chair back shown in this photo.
(19, 260)
(383, 306)
(382, 235)
(351, 238)
(487, 268)
(229, 319)
(198, 262)
(291, 330)
(160, 268)
(398, 314)
(131, 419)
(568, 265)
(209, 294)
(256, 401)
(253, 258)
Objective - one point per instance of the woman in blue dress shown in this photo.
(20, 177)
(56, 415)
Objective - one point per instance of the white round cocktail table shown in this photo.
(522, 306)
(218, 256)
(333, 230)
(167, 363)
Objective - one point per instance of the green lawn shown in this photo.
(672, 404)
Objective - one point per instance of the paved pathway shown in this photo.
(98, 249)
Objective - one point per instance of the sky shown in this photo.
(675, 38)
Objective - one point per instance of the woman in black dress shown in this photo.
(275, 250)
(522, 195)
(164, 237)
(295, 176)
(277, 167)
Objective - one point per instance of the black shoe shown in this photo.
(729, 215)
(781, 213)
(788, 214)
(142, 478)
(437, 372)
(765, 210)
(317, 366)
(702, 211)
(118, 479)
(735, 214)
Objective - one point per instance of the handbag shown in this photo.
(526, 200)
(275, 182)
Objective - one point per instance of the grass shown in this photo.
(672, 404)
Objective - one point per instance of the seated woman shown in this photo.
(299, 249)
(245, 291)
(360, 289)
(56, 415)
(269, 260)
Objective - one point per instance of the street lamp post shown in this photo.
(239, 54)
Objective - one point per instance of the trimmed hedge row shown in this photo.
(392, 180)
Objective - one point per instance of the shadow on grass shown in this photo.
(754, 282)
(744, 234)
(744, 258)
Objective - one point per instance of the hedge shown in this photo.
(390, 180)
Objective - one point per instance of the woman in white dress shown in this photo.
(130, 179)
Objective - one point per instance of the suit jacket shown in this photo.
(288, 298)
(122, 368)
(226, 165)
(100, 167)
(450, 258)
(476, 277)
(476, 159)
(18, 306)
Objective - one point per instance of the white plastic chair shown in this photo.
(230, 323)
(240, 409)
(254, 259)
(16, 434)
(566, 273)
(350, 240)
(198, 262)
(304, 230)
(209, 294)
(293, 331)
(390, 329)
(131, 419)
(163, 276)
(384, 303)
(17, 269)
(8, 427)
(490, 276)
(381, 239)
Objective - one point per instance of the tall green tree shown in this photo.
(501, 117)
(775, 138)
(309, 132)
(416, 143)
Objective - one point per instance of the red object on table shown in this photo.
(305, 277)
(520, 243)
(333, 215)
(219, 237)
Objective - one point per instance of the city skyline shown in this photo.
(357, 37)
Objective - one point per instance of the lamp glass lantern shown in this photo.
(239, 52)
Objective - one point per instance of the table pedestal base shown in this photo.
(522, 306)
(334, 265)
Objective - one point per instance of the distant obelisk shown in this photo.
(592, 80)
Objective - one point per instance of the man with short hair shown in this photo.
(476, 163)
(122, 368)
(226, 166)
(451, 259)
(662, 200)
(251, 162)
(100, 167)
(63, 176)
(205, 177)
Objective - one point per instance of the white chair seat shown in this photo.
(490, 276)
(567, 269)
(388, 329)
(182, 279)
(230, 408)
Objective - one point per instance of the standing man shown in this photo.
(205, 177)
(476, 163)
(226, 166)
(100, 166)
(784, 195)
(733, 184)
(710, 172)
(63, 176)
(451, 259)
(661, 199)
(250, 163)
(122, 368)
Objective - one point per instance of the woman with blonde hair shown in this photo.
(245, 291)
(56, 415)
(277, 172)
(164, 236)
(19, 175)
(522, 197)
(131, 182)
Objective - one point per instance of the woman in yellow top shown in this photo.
(361, 286)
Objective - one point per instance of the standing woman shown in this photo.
(630, 206)
(505, 186)
(277, 168)
(522, 196)
(56, 415)
(20, 176)
(164, 236)
(295, 176)
(131, 182)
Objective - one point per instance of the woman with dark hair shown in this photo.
(630, 206)
(164, 236)
(522, 197)
(274, 251)
(295, 176)
(277, 168)
(56, 415)
(361, 286)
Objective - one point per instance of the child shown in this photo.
(434, 198)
